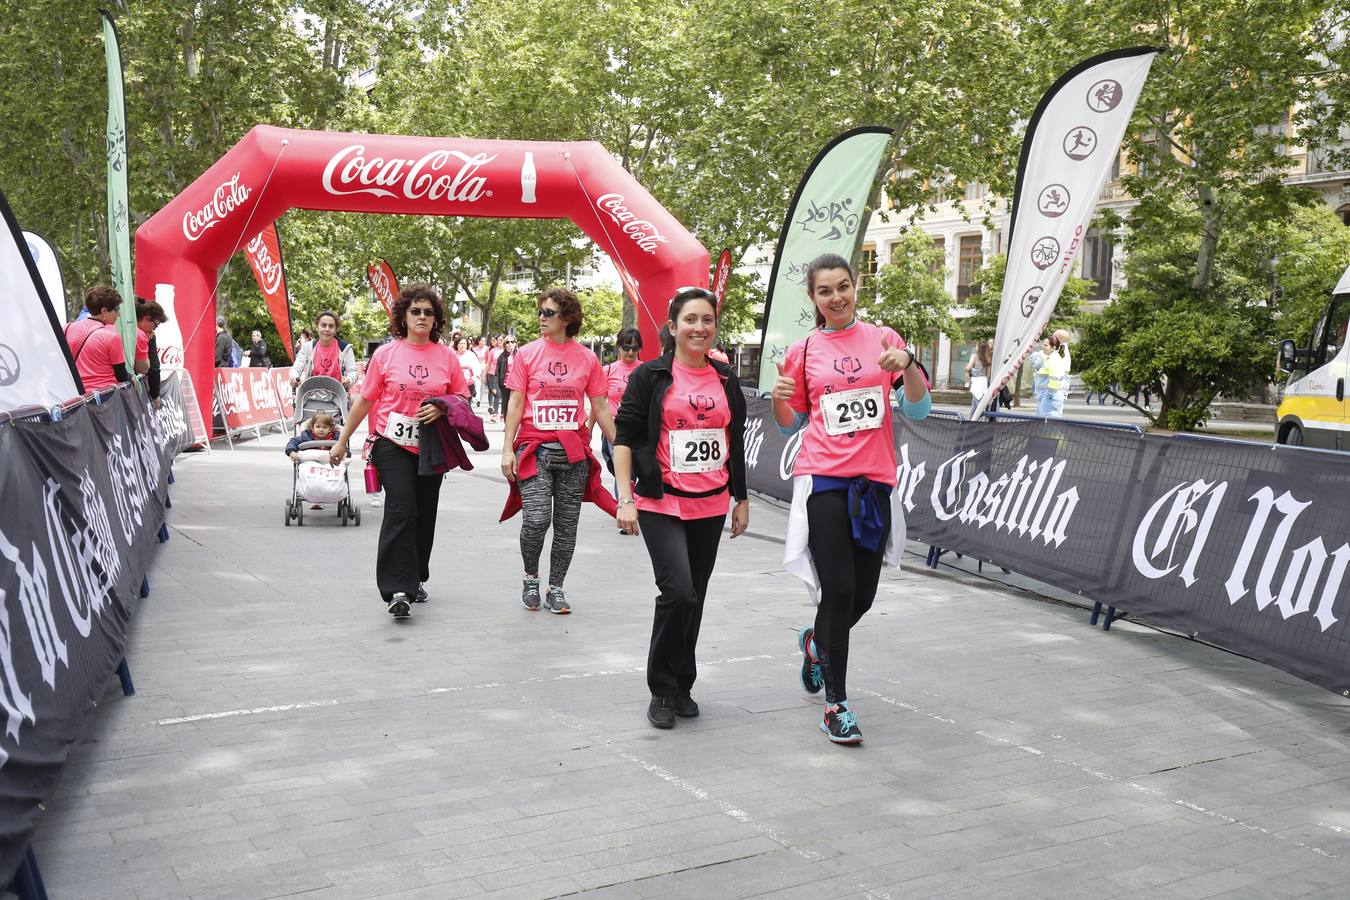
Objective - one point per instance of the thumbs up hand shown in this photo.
(893, 359)
(784, 386)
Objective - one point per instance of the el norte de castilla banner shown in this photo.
(93, 486)
(1232, 543)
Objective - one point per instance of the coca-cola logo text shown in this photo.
(228, 197)
(265, 266)
(349, 171)
(644, 233)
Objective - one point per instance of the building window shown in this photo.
(968, 267)
(956, 370)
(1115, 168)
(1098, 250)
(974, 191)
(868, 264)
(940, 259)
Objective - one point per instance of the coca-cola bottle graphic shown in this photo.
(169, 336)
(527, 179)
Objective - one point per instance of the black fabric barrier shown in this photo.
(82, 501)
(1241, 545)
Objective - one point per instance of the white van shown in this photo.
(1314, 411)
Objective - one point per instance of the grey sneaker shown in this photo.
(530, 595)
(398, 606)
(421, 595)
(555, 602)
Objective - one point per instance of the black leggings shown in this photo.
(683, 552)
(409, 525)
(848, 577)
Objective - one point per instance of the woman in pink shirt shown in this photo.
(629, 343)
(680, 433)
(94, 342)
(400, 378)
(836, 384)
(547, 445)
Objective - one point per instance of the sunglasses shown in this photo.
(546, 313)
(629, 348)
(419, 311)
(689, 293)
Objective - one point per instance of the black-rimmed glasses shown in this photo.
(547, 313)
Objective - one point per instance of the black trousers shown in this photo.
(409, 525)
(848, 582)
(683, 553)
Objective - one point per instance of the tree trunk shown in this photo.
(1209, 240)
(492, 294)
(1017, 392)
(629, 312)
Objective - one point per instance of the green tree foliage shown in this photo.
(1190, 345)
(908, 293)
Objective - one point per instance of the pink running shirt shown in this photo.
(695, 410)
(838, 362)
(97, 347)
(401, 376)
(617, 374)
(556, 379)
(327, 360)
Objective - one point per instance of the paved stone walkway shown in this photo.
(289, 738)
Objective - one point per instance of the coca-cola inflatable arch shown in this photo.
(180, 249)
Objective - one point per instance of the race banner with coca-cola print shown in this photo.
(1238, 544)
(92, 489)
(180, 249)
(264, 258)
(721, 275)
(248, 398)
(384, 285)
(281, 382)
(1071, 142)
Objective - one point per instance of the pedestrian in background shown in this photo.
(94, 342)
(257, 352)
(149, 316)
(1055, 369)
(978, 370)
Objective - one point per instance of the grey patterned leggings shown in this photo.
(552, 496)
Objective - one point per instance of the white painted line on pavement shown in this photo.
(487, 685)
(206, 717)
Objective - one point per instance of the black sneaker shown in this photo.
(398, 607)
(530, 594)
(685, 707)
(661, 712)
(421, 595)
(840, 725)
(813, 679)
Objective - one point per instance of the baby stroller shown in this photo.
(313, 478)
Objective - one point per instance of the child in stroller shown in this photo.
(314, 479)
(320, 428)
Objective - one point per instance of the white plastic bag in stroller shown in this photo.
(317, 481)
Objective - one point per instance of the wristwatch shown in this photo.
(624, 500)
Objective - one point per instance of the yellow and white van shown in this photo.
(1315, 411)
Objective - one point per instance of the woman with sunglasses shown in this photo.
(546, 453)
(836, 383)
(400, 378)
(680, 433)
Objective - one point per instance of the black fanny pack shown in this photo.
(694, 495)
